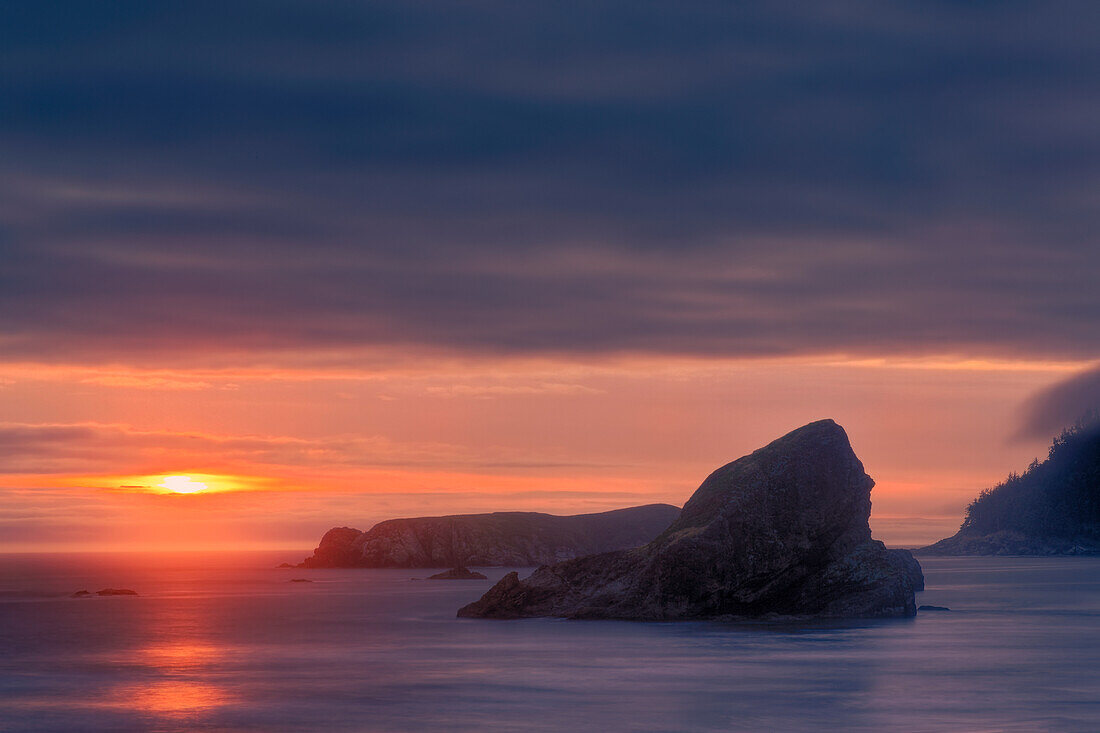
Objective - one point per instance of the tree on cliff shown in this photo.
(1059, 497)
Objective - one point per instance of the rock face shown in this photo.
(336, 550)
(517, 539)
(909, 565)
(780, 532)
(459, 573)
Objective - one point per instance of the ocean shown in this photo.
(226, 642)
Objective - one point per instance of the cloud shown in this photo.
(489, 391)
(588, 178)
(144, 382)
(1048, 412)
(95, 448)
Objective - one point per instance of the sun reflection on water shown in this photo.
(179, 684)
(179, 655)
(176, 697)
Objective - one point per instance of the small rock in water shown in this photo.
(458, 573)
(300, 580)
(116, 592)
(933, 608)
(80, 594)
(283, 565)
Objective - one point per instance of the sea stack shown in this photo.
(781, 532)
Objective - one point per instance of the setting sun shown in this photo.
(182, 485)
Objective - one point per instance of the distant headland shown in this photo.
(1052, 508)
(512, 539)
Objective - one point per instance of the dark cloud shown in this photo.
(1063, 405)
(514, 177)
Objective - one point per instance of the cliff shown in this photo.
(780, 532)
(1053, 508)
(517, 539)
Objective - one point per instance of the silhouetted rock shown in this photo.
(284, 565)
(516, 539)
(933, 608)
(116, 592)
(1053, 508)
(300, 580)
(337, 550)
(780, 532)
(81, 594)
(459, 573)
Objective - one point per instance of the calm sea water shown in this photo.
(228, 643)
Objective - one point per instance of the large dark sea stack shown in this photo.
(515, 539)
(780, 532)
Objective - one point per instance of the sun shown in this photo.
(192, 483)
(182, 485)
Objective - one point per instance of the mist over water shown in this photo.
(226, 642)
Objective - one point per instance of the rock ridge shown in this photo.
(499, 539)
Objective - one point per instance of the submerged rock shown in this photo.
(515, 539)
(780, 532)
(116, 592)
(300, 580)
(459, 573)
(933, 608)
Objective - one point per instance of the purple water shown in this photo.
(228, 643)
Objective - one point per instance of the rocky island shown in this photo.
(1052, 508)
(780, 532)
(517, 539)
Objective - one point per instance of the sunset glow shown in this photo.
(285, 454)
(182, 485)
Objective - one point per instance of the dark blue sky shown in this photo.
(697, 178)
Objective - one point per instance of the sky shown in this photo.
(347, 261)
